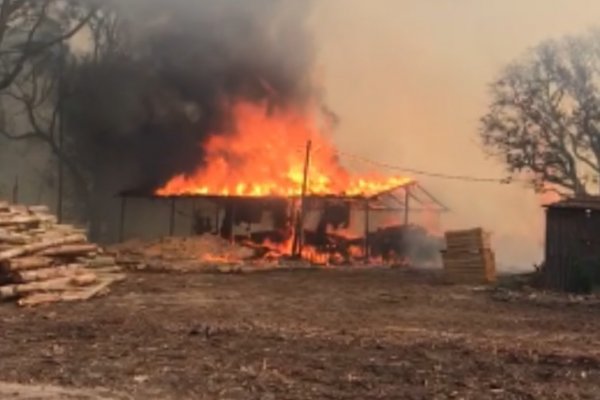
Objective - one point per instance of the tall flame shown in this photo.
(265, 156)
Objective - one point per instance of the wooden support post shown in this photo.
(15, 191)
(172, 218)
(122, 219)
(217, 219)
(367, 223)
(299, 232)
(296, 231)
(193, 222)
(406, 205)
(232, 224)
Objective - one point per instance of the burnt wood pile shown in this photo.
(42, 261)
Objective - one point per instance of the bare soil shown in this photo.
(363, 334)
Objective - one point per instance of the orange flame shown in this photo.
(265, 156)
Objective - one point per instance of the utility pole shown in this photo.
(298, 232)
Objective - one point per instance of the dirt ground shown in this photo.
(370, 334)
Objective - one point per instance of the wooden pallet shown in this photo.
(468, 257)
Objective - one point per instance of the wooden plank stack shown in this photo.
(42, 261)
(468, 257)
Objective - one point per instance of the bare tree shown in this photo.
(33, 49)
(23, 35)
(34, 58)
(544, 118)
(36, 99)
(108, 33)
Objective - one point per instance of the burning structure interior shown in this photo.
(320, 228)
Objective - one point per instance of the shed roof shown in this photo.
(575, 203)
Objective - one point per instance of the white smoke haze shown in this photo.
(409, 79)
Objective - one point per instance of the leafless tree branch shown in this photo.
(32, 48)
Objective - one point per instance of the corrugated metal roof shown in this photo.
(586, 203)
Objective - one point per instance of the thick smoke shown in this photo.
(141, 113)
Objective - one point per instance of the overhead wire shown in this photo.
(415, 171)
(421, 172)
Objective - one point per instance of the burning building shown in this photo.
(275, 182)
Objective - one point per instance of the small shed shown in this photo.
(572, 243)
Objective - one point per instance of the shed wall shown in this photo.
(572, 238)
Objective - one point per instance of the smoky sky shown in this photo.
(148, 107)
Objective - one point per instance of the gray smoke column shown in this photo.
(147, 108)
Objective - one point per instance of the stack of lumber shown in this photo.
(42, 261)
(468, 257)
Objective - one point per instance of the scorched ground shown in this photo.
(379, 334)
